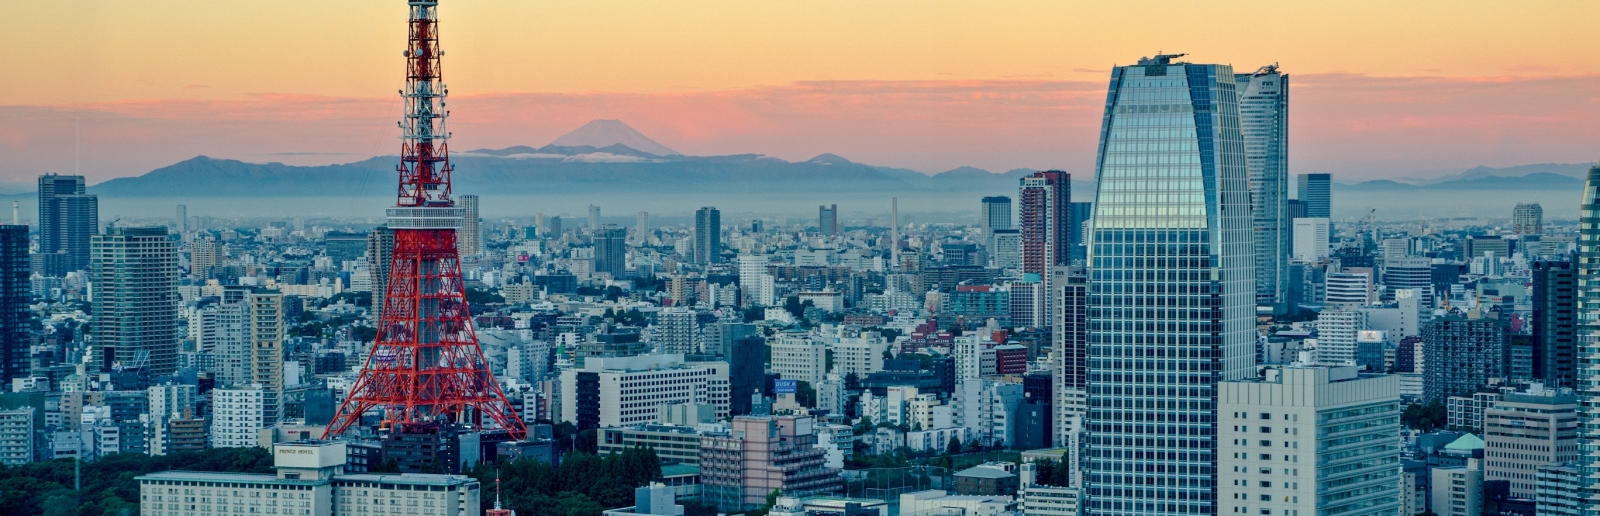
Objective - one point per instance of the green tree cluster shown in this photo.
(583, 485)
(1048, 472)
(109, 488)
(1426, 418)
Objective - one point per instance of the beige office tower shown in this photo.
(204, 255)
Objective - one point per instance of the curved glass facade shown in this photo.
(1171, 286)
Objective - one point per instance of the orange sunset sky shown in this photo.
(1378, 89)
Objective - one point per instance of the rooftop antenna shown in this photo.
(497, 510)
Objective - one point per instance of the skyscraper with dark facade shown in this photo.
(68, 218)
(611, 250)
(828, 219)
(707, 235)
(14, 313)
(1316, 193)
(380, 252)
(135, 292)
(1555, 323)
(1171, 286)
(1461, 354)
(1264, 123)
(996, 212)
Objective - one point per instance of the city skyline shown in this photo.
(984, 94)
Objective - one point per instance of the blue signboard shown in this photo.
(782, 386)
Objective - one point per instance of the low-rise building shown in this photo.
(1458, 490)
(310, 480)
(1040, 500)
(986, 480)
(672, 443)
(759, 454)
(936, 501)
(619, 391)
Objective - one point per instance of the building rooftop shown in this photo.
(679, 470)
(408, 478)
(1467, 442)
(213, 476)
(984, 472)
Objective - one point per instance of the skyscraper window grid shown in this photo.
(1172, 289)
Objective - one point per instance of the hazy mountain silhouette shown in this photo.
(605, 133)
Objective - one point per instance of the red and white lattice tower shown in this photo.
(426, 365)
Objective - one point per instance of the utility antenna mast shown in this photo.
(425, 365)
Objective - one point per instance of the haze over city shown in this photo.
(826, 258)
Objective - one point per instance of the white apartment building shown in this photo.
(1336, 336)
(676, 331)
(861, 355)
(17, 436)
(237, 416)
(1350, 288)
(799, 356)
(1040, 500)
(974, 356)
(624, 391)
(1303, 441)
(309, 481)
(758, 286)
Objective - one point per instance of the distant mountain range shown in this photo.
(524, 170)
(608, 156)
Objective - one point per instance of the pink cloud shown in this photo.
(1353, 125)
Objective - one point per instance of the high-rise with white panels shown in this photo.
(1171, 286)
(1589, 340)
(1264, 123)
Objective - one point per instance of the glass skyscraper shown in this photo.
(1316, 193)
(1171, 286)
(1264, 123)
(1589, 340)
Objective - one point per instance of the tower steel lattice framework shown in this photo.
(425, 365)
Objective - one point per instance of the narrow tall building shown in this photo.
(68, 219)
(611, 250)
(1044, 215)
(14, 296)
(1070, 373)
(828, 219)
(380, 252)
(266, 352)
(1589, 339)
(469, 241)
(135, 292)
(1315, 192)
(707, 235)
(641, 227)
(1555, 323)
(1171, 286)
(1264, 123)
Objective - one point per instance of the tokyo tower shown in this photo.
(425, 365)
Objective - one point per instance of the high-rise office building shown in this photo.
(1555, 323)
(1273, 441)
(1589, 337)
(380, 252)
(469, 240)
(135, 278)
(594, 217)
(707, 235)
(67, 219)
(996, 212)
(1171, 286)
(1315, 192)
(1311, 240)
(828, 219)
(611, 250)
(1264, 123)
(1408, 272)
(1525, 431)
(1527, 219)
(14, 297)
(182, 222)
